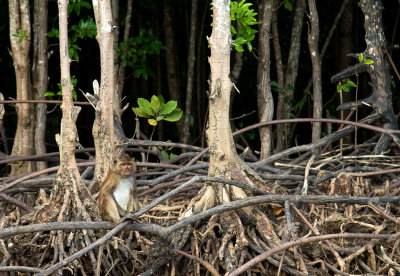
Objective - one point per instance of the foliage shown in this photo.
(50, 94)
(345, 85)
(135, 51)
(157, 110)
(362, 59)
(245, 18)
(164, 152)
(84, 29)
(275, 87)
(288, 5)
(21, 35)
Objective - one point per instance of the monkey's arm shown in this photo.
(109, 209)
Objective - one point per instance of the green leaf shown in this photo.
(139, 112)
(161, 100)
(165, 155)
(339, 87)
(239, 41)
(49, 94)
(361, 57)
(155, 104)
(239, 48)
(350, 83)
(168, 108)
(345, 88)
(368, 61)
(300, 104)
(249, 46)
(152, 122)
(145, 106)
(274, 83)
(174, 116)
(288, 5)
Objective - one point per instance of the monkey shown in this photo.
(118, 192)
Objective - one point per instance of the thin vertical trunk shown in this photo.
(316, 67)
(24, 142)
(280, 133)
(120, 75)
(190, 77)
(292, 66)
(40, 76)
(103, 127)
(265, 100)
(172, 67)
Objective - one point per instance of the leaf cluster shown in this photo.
(50, 94)
(21, 35)
(84, 29)
(345, 85)
(135, 51)
(244, 17)
(157, 110)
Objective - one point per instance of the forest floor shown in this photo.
(340, 216)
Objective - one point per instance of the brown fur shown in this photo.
(109, 209)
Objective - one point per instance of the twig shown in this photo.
(209, 267)
(300, 241)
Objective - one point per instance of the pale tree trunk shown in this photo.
(224, 161)
(172, 67)
(316, 66)
(190, 77)
(291, 72)
(103, 127)
(24, 142)
(265, 101)
(39, 75)
(69, 200)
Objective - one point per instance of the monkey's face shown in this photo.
(126, 169)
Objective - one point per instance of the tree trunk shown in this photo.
(190, 77)
(316, 67)
(224, 161)
(103, 127)
(265, 100)
(285, 101)
(69, 199)
(379, 71)
(172, 67)
(281, 136)
(24, 142)
(40, 76)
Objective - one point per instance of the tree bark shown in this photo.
(23, 142)
(103, 127)
(265, 101)
(291, 70)
(40, 76)
(172, 67)
(379, 71)
(190, 77)
(316, 67)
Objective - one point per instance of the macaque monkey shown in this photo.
(118, 192)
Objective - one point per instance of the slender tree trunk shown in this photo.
(69, 199)
(190, 77)
(265, 101)
(281, 136)
(316, 66)
(172, 67)
(23, 142)
(103, 127)
(291, 68)
(40, 76)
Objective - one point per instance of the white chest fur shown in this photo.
(123, 191)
